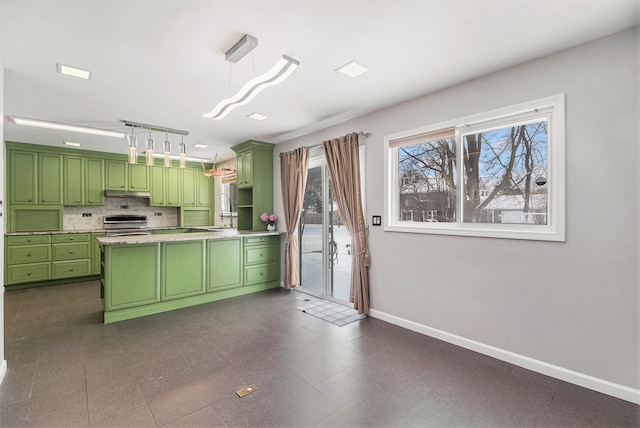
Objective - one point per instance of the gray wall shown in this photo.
(573, 304)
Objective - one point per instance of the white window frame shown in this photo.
(551, 108)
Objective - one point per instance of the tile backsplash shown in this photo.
(74, 219)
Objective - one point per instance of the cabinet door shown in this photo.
(23, 177)
(138, 178)
(131, 276)
(94, 182)
(245, 169)
(50, 179)
(188, 187)
(157, 186)
(182, 269)
(224, 257)
(115, 175)
(73, 180)
(172, 186)
(205, 189)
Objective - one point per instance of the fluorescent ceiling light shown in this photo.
(200, 146)
(352, 69)
(66, 127)
(73, 71)
(257, 116)
(278, 73)
(69, 143)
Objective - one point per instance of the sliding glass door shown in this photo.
(325, 244)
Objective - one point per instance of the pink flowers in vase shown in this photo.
(268, 219)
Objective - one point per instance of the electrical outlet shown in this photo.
(86, 214)
(124, 207)
(157, 214)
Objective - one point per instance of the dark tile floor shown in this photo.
(182, 368)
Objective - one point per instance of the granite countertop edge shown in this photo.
(194, 236)
(62, 232)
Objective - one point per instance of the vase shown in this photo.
(271, 227)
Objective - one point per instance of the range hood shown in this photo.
(126, 194)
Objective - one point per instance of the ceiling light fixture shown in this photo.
(149, 151)
(278, 73)
(183, 153)
(200, 146)
(66, 127)
(69, 143)
(133, 151)
(245, 45)
(352, 69)
(68, 70)
(217, 172)
(150, 143)
(167, 151)
(257, 116)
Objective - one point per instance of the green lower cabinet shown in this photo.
(81, 250)
(28, 254)
(182, 269)
(70, 269)
(95, 253)
(29, 273)
(131, 276)
(224, 262)
(261, 273)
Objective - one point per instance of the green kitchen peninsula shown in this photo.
(148, 274)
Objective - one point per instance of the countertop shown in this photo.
(192, 236)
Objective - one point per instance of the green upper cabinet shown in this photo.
(244, 168)
(83, 180)
(74, 183)
(24, 177)
(50, 179)
(115, 174)
(205, 189)
(172, 186)
(188, 187)
(138, 177)
(120, 175)
(94, 181)
(35, 178)
(158, 197)
(255, 183)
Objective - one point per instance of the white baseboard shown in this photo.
(590, 382)
(3, 370)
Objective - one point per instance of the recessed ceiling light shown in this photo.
(257, 116)
(68, 70)
(352, 69)
(200, 146)
(69, 143)
(66, 127)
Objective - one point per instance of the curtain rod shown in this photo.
(360, 135)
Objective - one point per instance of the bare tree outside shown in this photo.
(504, 172)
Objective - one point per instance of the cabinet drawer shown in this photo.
(260, 254)
(260, 273)
(71, 251)
(28, 239)
(29, 273)
(71, 269)
(70, 237)
(28, 254)
(260, 240)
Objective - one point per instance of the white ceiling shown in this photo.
(162, 62)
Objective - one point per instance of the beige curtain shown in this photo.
(343, 161)
(293, 180)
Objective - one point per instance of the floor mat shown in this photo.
(331, 312)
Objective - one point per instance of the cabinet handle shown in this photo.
(78, 200)
(30, 200)
(28, 240)
(70, 239)
(89, 202)
(29, 274)
(44, 200)
(260, 254)
(71, 270)
(29, 255)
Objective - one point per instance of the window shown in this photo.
(497, 174)
(230, 190)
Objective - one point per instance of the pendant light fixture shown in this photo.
(183, 153)
(133, 153)
(167, 151)
(149, 152)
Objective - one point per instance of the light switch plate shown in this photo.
(376, 220)
(246, 390)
